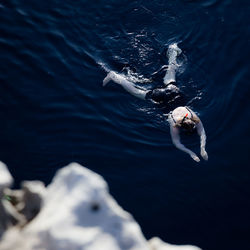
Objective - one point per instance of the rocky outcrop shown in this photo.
(27, 201)
(5, 181)
(157, 244)
(74, 212)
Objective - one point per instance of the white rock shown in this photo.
(79, 213)
(157, 244)
(32, 198)
(5, 178)
(5, 181)
(27, 201)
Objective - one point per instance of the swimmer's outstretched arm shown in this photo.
(127, 85)
(202, 134)
(177, 142)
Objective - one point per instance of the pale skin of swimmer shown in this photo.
(179, 116)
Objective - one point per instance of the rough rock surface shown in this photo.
(27, 201)
(157, 244)
(5, 181)
(79, 213)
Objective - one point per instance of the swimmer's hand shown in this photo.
(204, 154)
(195, 157)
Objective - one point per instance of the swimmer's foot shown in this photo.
(108, 78)
(173, 50)
(172, 53)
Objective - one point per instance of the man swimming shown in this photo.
(182, 117)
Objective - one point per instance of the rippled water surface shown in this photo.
(54, 110)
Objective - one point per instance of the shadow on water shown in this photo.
(54, 110)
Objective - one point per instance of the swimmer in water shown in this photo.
(182, 117)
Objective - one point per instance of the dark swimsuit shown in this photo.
(166, 98)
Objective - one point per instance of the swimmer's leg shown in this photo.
(172, 53)
(127, 85)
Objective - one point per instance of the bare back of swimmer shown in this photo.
(182, 117)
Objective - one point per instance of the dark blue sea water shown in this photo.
(54, 110)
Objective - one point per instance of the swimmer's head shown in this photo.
(188, 125)
(184, 119)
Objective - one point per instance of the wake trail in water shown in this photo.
(172, 53)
